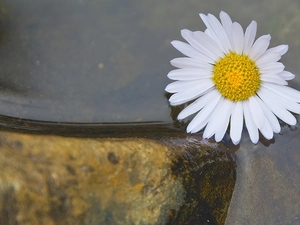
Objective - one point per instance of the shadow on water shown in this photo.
(90, 130)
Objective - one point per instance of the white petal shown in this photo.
(249, 37)
(272, 68)
(198, 104)
(210, 34)
(252, 129)
(179, 86)
(273, 78)
(276, 108)
(267, 57)
(200, 120)
(270, 116)
(185, 62)
(266, 130)
(189, 74)
(236, 123)
(285, 102)
(256, 112)
(237, 37)
(209, 56)
(199, 126)
(208, 44)
(193, 92)
(285, 91)
(286, 75)
(281, 49)
(226, 23)
(224, 115)
(260, 46)
(217, 31)
(211, 127)
(186, 49)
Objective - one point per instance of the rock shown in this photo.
(207, 173)
(47, 179)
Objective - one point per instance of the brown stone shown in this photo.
(51, 180)
(207, 172)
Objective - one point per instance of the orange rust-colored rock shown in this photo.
(52, 180)
(56, 180)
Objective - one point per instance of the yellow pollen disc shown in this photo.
(236, 77)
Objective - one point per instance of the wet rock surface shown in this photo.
(208, 176)
(48, 179)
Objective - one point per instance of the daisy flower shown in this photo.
(231, 79)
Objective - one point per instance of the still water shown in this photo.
(105, 61)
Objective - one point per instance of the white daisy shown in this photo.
(232, 79)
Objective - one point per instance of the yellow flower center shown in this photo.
(236, 77)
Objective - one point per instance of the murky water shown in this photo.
(81, 61)
(106, 61)
(267, 187)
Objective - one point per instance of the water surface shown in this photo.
(104, 61)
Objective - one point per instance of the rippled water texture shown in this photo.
(106, 61)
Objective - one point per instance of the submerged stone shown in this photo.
(47, 179)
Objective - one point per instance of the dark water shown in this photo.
(81, 61)
(105, 61)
